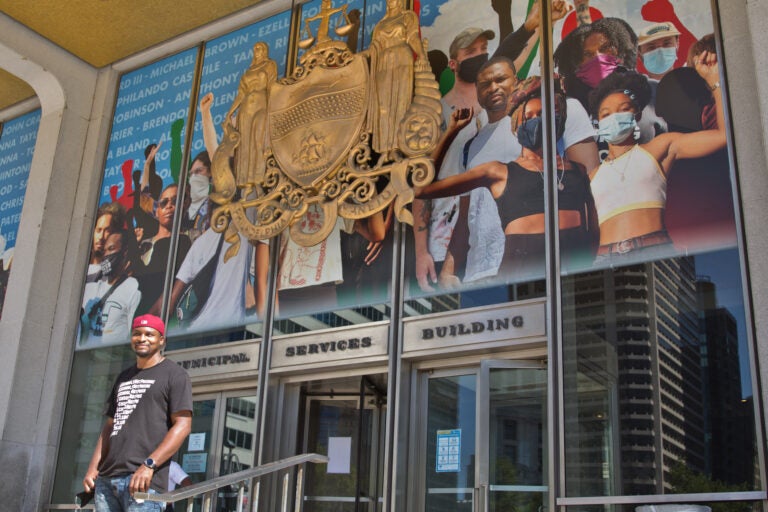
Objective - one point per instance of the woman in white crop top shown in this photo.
(629, 187)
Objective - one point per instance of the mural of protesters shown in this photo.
(110, 302)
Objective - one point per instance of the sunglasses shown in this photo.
(163, 203)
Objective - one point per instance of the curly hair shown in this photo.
(569, 52)
(632, 83)
(204, 158)
(619, 34)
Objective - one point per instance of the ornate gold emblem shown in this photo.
(345, 134)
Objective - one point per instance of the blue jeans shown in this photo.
(111, 495)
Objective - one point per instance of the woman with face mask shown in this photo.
(196, 213)
(518, 189)
(629, 187)
(591, 53)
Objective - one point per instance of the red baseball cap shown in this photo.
(152, 321)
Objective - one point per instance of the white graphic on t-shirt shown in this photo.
(128, 395)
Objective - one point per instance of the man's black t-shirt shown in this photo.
(141, 404)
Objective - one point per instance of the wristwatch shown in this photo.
(150, 463)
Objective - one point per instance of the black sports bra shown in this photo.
(524, 193)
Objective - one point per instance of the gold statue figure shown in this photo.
(251, 118)
(395, 39)
(345, 134)
(324, 16)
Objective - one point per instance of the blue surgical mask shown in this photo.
(615, 128)
(660, 60)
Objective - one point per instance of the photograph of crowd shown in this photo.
(642, 169)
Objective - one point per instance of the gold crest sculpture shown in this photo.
(345, 134)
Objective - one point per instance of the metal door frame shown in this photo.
(483, 486)
(481, 371)
(216, 450)
(377, 431)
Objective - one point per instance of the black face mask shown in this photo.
(529, 133)
(469, 68)
(110, 264)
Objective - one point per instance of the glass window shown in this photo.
(660, 390)
(17, 145)
(93, 375)
(219, 292)
(657, 383)
(722, 506)
(479, 232)
(131, 243)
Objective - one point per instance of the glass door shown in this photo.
(485, 438)
(451, 442)
(346, 422)
(514, 427)
(222, 441)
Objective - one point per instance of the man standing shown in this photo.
(434, 222)
(149, 414)
(478, 241)
(110, 218)
(658, 45)
(495, 84)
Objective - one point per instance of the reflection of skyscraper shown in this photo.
(638, 399)
(730, 423)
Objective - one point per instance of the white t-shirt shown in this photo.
(225, 306)
(94, 272)
(116, 314)
(445, 210)
(495, 142)
(310, 266)
(176, 475)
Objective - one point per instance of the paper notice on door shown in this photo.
(196, 442)
(339, 455)
(194, 462)
(448, 457)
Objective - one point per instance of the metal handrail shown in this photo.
(232, 478)
(214, 484)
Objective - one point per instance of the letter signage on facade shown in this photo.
(334, 346)
(224, 361)
(523, 322)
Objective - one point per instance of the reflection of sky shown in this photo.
(724, 270)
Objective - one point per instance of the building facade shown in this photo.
(558, 380)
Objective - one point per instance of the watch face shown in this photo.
(150, 462)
